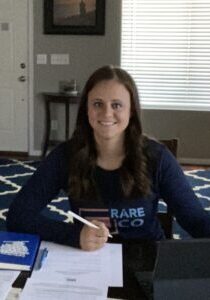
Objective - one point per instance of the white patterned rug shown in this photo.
(14, 173)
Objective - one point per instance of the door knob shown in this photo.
(22, 78)
(22, 65)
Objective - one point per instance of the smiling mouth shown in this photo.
(107, 123)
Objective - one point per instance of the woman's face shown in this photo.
(109, 109)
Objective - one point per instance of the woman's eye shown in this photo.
(116, 105)
(97, 104)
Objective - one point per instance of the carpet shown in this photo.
(15, 173)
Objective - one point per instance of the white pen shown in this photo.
(85, 221)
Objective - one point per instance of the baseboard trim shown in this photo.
(21, 155)
(194, 161)
(38, 153)
(13, 154)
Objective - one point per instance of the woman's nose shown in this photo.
(107, 110)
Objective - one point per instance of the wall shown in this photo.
(190, 127)
(88, 53)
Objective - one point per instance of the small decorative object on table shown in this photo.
(68, 87)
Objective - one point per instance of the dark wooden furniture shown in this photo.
(172, 145)
(58, 98)
(166, 218)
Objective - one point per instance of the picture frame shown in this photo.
(82, 17)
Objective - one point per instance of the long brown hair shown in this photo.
(133, 172)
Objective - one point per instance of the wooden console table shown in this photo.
(58, 98)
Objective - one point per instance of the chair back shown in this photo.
(166, 218)
(172, 145)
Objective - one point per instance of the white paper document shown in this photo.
(73, 272)
(7, 277)
(62, 291)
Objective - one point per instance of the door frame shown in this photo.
(30, 83)
(31, 150)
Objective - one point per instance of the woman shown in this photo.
(113, 174)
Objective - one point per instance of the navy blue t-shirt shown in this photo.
(128, 218)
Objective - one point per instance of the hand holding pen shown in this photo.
(93, 238)
(84, 221)
(93, 235)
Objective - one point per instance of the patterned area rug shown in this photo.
(14, 173)
(199, 180)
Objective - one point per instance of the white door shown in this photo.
(13, 75)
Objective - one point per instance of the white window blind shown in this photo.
(166, 48)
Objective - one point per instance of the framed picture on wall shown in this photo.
(74, 17)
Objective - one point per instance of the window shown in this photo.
(166, 48)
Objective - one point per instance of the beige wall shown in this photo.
(88, 53)
(190, 127)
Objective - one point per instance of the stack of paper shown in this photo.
(6, 280)
(70, 273)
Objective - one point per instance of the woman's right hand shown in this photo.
(92, 238)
